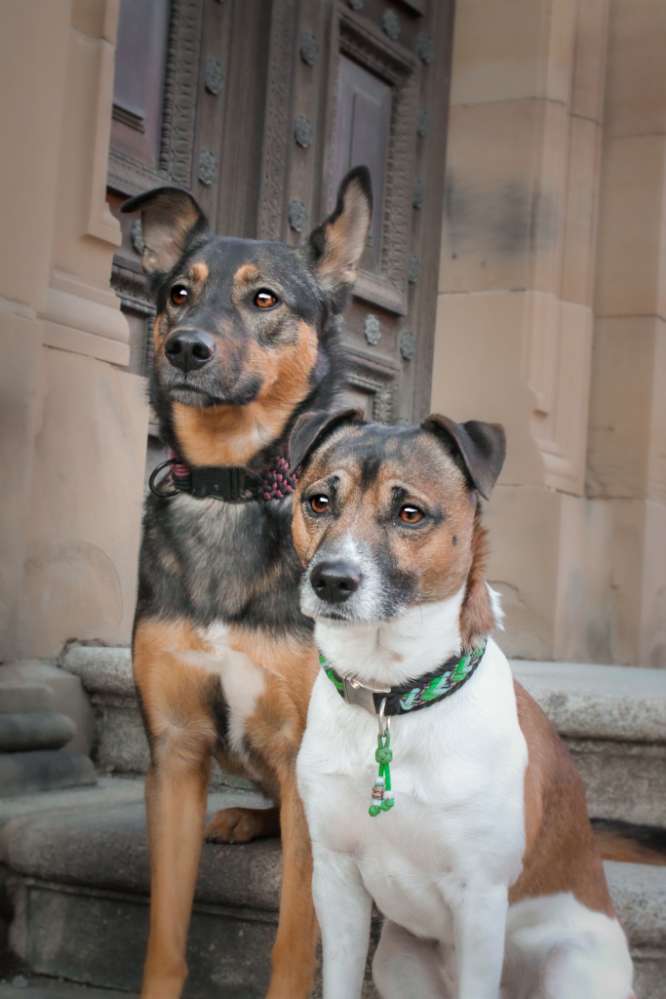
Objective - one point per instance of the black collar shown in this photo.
(228, 484)
(421, 693)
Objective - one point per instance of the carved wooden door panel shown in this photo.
(366, 82)
(259, 107)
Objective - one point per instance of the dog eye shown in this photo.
(318, 503)
(410, 514)
(179, 294)
(265, 299)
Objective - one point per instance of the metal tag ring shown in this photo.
(156, 487)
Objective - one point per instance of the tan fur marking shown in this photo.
(160, 329)
(232, 435)
(476, 615)
(561, 854)
(199, 272)
(246, 274)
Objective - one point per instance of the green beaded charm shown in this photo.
(382, 799)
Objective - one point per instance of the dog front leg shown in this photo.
(479, 917)
(176, 794)
(294, 951)
(344, 909)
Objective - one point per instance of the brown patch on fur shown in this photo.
(199, 272)
(246, 274)
(476, 616)
(243, 825)
(175, 695)
(160, 330)
(232, 435)
(561, 854)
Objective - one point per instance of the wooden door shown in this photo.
(259, 107)
(366, 81)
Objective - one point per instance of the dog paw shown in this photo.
(242, 825)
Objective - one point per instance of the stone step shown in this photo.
(65, 694)
(78, 879)
(44, 770)
(77, 867)
(24, 730)
(29, 987)
(613, 719)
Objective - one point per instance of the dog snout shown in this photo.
(335, 581)
(189, 350)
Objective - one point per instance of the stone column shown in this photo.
(515, 315)
(626, 467)
(75, 420)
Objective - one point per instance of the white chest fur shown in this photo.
(242, 681)
(457, 770)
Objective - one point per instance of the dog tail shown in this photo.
(630, 844)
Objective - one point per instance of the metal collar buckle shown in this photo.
(362, 694)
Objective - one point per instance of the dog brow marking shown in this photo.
(199, 272)
(246, 274)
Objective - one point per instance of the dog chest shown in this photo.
(458, 777)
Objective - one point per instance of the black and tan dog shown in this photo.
(245, 341)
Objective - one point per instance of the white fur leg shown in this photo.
(557, 947)
(479, 918)
(405, 965)
(343, 909)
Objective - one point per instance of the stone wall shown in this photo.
(549, 312)
(74, 419)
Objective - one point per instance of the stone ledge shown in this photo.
(66, 695)
(102, 669)
(584, 700)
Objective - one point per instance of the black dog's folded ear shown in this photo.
(480, 446)
(312, 428)
(336, 246)
(170, 218)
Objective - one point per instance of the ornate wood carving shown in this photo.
(376, 378)
(275, 156)
(180, 90)
(309, 48)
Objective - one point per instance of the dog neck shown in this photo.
(392, 652)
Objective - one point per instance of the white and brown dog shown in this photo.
(476, 847)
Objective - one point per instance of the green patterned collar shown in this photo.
(421, 693)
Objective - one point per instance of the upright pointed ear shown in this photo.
(480, 448)
(311, 429)
(336, 247)
(170, 219)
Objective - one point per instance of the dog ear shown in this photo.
(312, 428)
(480, 446)
(336, 246)
(170, 218)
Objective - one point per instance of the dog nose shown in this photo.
(335, 582)
(189, 350)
